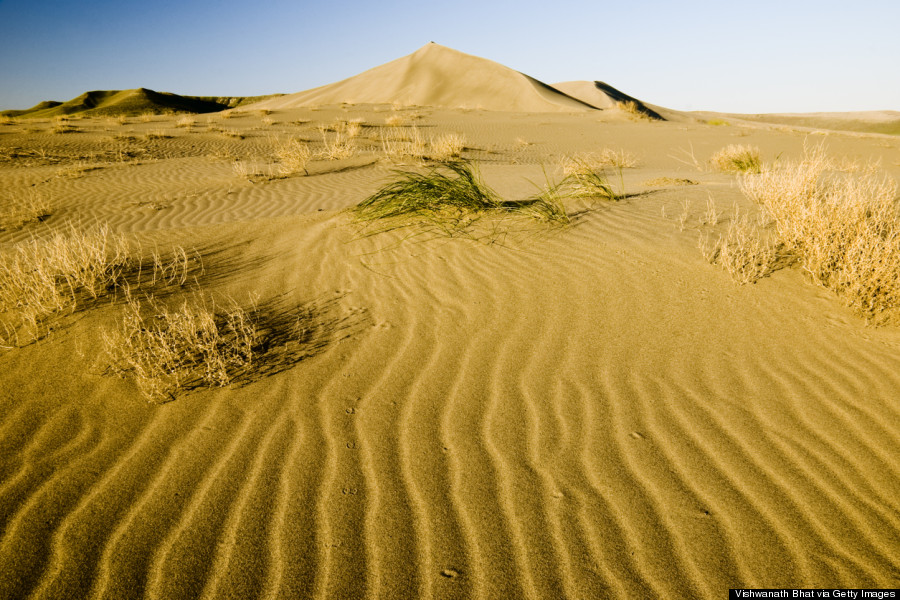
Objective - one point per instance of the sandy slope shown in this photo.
(435, 75)
(586, 412)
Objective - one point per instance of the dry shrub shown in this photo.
(338, 145)
(843, 227)
(596, 161)
(157, 134)
(146, 117)
(227, 114)
(737, 159)
(78, 169)
(187, 121)
(447, 146)
(168, 350)
(401, 144)
(233, 134)
(394, 121)
(21, 209)
(744, 251)
(41, 277)
(293, 156)
(633, 111)
(7, 120)
(175, 347)
(61, 125)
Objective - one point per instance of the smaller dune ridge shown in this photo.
(110, 103)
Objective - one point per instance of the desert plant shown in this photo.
(61, 124)
(447, 146)
(633, 111)
(43, 276)
(584, 179)
(293, 156)
(338, 145)
(187, 121)
(20, 209)
(606, 157)
(400, 144)
(844, 228)
(232, 134)
(394, 121)
(146, 117)
(737, 159)
(450, 194)
(167, 350)
(743, 251)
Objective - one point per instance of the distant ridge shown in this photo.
(603, 96)
(132, 102)
(438, 76)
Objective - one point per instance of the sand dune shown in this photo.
(592, 411)
(436, 75)
(602, 95)
(131, 102)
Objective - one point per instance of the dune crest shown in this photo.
(435, 75)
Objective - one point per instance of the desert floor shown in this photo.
(523, 411)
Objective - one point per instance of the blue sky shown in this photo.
(733, 57)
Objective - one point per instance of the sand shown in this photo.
(583, 412)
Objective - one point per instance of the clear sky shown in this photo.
(763, 56)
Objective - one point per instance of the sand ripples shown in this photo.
(573, 414)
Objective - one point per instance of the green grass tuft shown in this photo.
(452, 194)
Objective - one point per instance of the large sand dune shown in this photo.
(585, 412)
(436, 75)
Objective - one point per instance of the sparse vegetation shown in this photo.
(451, 196)
(664, 181)
(233, 134)
(196, 343)
(293, 156)
(401, 144)
(843, 228)
(62, 125)
(187, 121)
(447, 146)
(633, 111)
(743, 251)
(21, 209)
(45, 276)
(169, 349)
(585, 180)
(338, 145)
(737, 159)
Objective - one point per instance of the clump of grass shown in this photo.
(233, 134)
(743, 251)
(293, 156)
(268, 121)
(41, 277)
(584, 178)
(146, 117)
(737, 159)
(447, 146)
(843, 228)
(633, 111)
(167, 350)
(157, 134)
(451, 195)
(20, 209)
(395, 121)
(187, 121)
(7, 120)
(402, 144)
(227, 114)
(79, 169)
(61, 124)
(338, 146)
